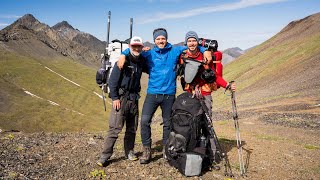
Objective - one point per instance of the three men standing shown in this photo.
(161, 65)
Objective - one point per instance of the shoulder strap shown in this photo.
(184, 55)
(214, 59)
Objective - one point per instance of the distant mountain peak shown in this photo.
(66, 30)
(62, 25)
(231, 54)
(28, 17)
(28, 21)
(234, 51)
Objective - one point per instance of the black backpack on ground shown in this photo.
(189, 144)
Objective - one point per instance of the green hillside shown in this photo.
(79, 108)
(284, 67)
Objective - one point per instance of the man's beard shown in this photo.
(134, 53)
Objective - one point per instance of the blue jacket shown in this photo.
(161, 66)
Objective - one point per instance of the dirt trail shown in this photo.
(273, 152)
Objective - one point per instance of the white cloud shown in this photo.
(10, 16)
(204, 10)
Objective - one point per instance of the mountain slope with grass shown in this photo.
(282, 74)
(47, 78)
(55, 95)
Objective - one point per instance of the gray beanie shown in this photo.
(160, 32)
(191, 34)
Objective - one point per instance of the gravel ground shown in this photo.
(271, 151)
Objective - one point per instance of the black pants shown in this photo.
(151, 103)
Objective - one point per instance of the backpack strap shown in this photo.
(127, 69)
(184, 56)
(215, 59)
(181, 67)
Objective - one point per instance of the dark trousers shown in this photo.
(208, 103)
(116, 123)
(151, 103)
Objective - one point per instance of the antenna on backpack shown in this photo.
(102, 76)
(108, 32)
(131, 24)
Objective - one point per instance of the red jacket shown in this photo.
(218, 69)
(206, 88)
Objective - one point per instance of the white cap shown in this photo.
(136, 40)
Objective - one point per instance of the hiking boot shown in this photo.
(102, 162)
(131, 156)
(146, 155)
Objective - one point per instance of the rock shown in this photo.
(92, 141)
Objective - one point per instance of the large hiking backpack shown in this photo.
(212, 45)
(188, 147)
(113, 50)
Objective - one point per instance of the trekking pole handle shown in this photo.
(229, 87)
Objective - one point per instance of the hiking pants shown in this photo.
(151, 103)
(208, 102)
(116, 123)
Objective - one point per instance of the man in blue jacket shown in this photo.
(161, 66)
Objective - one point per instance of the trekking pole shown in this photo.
(221, 152)
(104, 98)
(107, 63)
(236, 125)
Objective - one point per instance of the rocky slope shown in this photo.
(28, 36)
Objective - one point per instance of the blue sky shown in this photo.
(234, 23)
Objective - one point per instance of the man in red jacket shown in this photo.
(202, 84)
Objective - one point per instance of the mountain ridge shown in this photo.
(61, 38)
